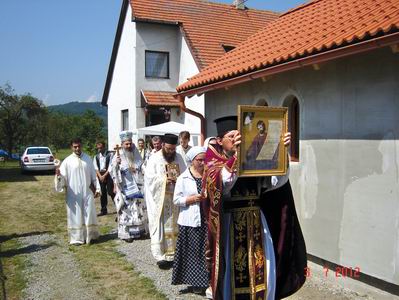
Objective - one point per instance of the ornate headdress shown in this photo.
(125, 135)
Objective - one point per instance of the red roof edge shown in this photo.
(386, 40)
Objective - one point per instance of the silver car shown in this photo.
(37, 159)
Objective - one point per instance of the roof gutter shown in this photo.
(365, 46)
(195, 114)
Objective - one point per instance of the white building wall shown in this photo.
(346, 184)
(123, 87)
(188, 68)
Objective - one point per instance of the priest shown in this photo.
(128, 180)
(161, 173)
(78, 176)
(255, 245)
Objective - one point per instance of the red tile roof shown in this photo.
(206, 25)
(316, 27)
(157, 98)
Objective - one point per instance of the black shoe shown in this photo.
(164, 265)
(102, 213)
(198, 290)
(128, 240)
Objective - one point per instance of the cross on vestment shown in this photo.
(257, 234)
(140, 216)
(241, 277)
(240, 237)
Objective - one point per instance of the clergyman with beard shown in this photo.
(128, 181)
(161, 173)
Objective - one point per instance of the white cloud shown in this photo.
(92, 98)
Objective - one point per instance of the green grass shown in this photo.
(110, 274)
(62, 153)
(30, 206)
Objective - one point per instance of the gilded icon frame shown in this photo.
(262, 151)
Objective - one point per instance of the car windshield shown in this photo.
(38, 151)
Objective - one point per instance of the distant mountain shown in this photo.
(79, 108)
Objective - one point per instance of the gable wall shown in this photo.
(346, 184)
(123, 84)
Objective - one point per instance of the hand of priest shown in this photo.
(236, 138)
(287, 138)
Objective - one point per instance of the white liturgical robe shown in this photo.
(162, 213)
(77, 174)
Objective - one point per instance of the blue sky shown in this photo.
(59, 51)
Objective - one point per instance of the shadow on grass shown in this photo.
(105, 238)
(26, 250)
(4, 238)
(13, 174)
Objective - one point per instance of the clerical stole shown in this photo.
(248, 263)
(170, 211)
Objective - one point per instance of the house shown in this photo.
(334, 64)
(158, 45)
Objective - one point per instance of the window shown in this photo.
(156, 64)
(125, 119)
(195, 140)
(38, 151)
(293, 126)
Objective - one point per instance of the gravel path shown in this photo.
(139, 255)
(52, 272)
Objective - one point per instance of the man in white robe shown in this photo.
(128, 181)
(78, 176)
(161, 173)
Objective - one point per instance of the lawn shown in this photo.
(30, 207)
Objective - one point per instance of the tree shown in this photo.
(17, 114)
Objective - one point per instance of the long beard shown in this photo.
(129, 156)
(169, 157)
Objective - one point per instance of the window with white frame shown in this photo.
(125, 119)
(156, 64)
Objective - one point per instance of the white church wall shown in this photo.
(346, 183)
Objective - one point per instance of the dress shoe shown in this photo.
(164, 265)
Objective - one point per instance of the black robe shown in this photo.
(288, 242)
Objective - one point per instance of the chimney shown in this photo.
(239, 4)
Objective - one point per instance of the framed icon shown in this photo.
(262, 151)
(172, 171)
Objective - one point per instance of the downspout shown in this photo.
(195, 114)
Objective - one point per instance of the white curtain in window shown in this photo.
(156, 64)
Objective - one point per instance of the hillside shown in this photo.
(79, 108)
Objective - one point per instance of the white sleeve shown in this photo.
(178, 198)
(60, 181)
(95, 163)
(229, 179)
